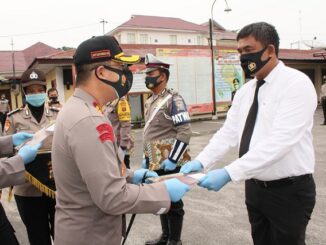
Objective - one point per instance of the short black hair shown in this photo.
(83, 72)
(262, 32)
(51, 90)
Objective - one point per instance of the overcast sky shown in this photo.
(67, 23)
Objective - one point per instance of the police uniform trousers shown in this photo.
(172, 221)
(279, 210)
(7, 232)
(3, 116)
(323, 103)
(37, 213)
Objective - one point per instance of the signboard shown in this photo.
(228, 74)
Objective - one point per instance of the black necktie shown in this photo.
(250, 122)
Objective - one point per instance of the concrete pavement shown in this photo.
(215, 218)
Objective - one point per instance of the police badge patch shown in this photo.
(179, 112)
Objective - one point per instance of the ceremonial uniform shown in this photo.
(94, 188)
(120, 118)
(92, 193)
(35, 208)
(167, 127)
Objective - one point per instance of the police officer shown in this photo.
(12, 173)
(53, 98)
(166, 117)
(322, 97)
(35, 209)
(94, 188)
(4, 109)
(120, 118)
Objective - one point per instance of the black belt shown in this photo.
(282, 182)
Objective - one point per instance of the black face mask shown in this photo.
(252, 63)
(54, 99)
(124, 83)
(151, 82)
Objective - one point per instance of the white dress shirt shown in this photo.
(281, 144)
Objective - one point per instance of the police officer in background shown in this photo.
(166, 117)
(322, 97)
(94, 188)
(53, 98)
(119, 115)
(4, 109)
(35, 208)
(12, 173)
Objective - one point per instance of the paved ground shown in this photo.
(216, 218)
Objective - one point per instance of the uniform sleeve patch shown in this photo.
(7, 125)
(106, 132)
(179, 113)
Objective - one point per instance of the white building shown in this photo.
(142, 29)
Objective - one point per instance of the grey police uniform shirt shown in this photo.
(11, 169)
(92, 191)
(22, 120)
(4, 106)
(171, 121)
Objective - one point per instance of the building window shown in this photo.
(119, 38)
(131, 38)
(199, 40)
(143, 39)
(189, 40)
(173, 39)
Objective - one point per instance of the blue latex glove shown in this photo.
(142, 174)
(215, 179)
(168, 165)
(19, 138)
(176, 189)
(28, 153)
(143, 163)
(191, 166)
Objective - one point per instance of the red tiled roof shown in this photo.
(157, 22)
(24, 57)
(171, 23)
(216, 26)
(6, 61)
(297, 54)
(60, 55)
(143, 49)
(38, 49)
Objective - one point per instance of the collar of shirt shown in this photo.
(161, 94)
(272, 75)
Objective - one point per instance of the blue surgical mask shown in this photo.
(36, 99)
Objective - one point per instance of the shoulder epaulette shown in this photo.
(14, 111)
(54, 109)
(171, 91)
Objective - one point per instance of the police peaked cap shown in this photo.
(102, 48)
(33, 76)
(153, 63)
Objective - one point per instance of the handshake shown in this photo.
(213, 180)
